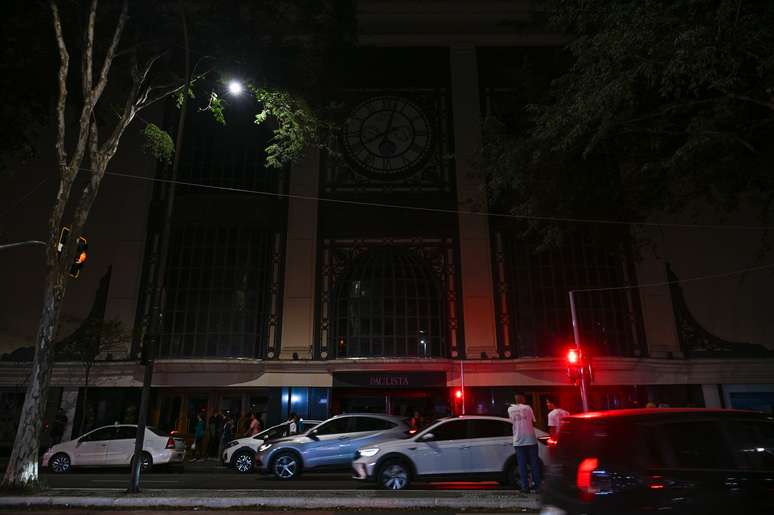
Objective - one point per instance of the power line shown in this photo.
(439, 210)
(681, 281)
(24, 197)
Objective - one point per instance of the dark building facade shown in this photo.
(307, 290)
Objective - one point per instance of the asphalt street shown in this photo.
(227, 479)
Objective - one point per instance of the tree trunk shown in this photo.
(22, 469)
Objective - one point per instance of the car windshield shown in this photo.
(277, 431)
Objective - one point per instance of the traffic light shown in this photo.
(574, 365)
(458, 400)
(81, 254)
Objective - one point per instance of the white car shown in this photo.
(113, 446)
(240, 453)
(467, 447)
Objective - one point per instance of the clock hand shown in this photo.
(389, 125)
(383, 134)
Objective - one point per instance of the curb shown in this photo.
(288, 499)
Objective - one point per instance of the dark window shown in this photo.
(698, 445)
(335, 426)
(218, 292)
(752, 442)
(534, 285)
(372, 424)
(452, 430)
(273, 432)
(489, 428)
(125, 433)
(390, 304)
(106, 433)
(155, 430)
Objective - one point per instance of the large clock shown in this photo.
(387, 137)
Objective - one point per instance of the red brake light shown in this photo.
(551, 442)
(573, 356)
(458, 394)
(583, 478)
(170, 443)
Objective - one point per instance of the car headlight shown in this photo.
(230, 444)
(372, 451)
(264, 447)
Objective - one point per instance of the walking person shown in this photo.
(198, 445)
(525, 441)
(555, 416)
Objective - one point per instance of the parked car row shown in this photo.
(381, 448)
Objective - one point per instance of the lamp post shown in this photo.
(576, 338)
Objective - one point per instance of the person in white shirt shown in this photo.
(525, 441)
(555, 416)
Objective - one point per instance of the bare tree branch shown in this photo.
(103, 74)
(88, 52)
(64, 64)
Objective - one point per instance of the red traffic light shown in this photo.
(458, 393)
(573, 356)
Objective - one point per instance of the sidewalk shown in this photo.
(282, 499)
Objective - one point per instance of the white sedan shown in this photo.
(240, 453)
(467, 448)
(113, 446)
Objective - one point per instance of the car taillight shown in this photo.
(551, 441)
(170, 443)
(592, 481)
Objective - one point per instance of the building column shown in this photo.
(711, 394)
(68, 403)
(301, 260)
(475, 248)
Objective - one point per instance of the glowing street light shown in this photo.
(235, 87)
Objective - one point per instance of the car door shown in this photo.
(699, 464)
(488, 446)
(92, 447)
(325, 441)
(121, 448)
(366, 431)
(752, 442)
(441, 453)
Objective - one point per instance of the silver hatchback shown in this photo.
(331, 444)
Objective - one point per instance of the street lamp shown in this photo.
(235, 87)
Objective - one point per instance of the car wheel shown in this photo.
(60, 463)
(244, 462)
(511, 475)
(394, 475)
(285, 465)
(146, 462)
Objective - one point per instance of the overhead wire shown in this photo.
(409, 207)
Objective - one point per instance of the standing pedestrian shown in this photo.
(227, 434)
(415, 422)
(293, 424)
(525, 441)
(555, 416)
(58, 427)
(199, 431)
(214, 428)
(255, 426)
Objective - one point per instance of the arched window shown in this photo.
(389, 303)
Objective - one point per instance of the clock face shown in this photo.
(387, 137)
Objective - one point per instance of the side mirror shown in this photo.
(312, 434)
(427, 437)
(80, 441)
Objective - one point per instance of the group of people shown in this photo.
(211, 435)
(525, 440)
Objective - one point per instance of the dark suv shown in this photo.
(679, 461)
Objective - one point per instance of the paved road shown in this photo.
(229, 480)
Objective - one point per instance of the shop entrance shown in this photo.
(392, 393)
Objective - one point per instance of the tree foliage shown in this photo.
(664, 102)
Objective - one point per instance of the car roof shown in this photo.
(475, 417)
(374, 415)
(660, 412)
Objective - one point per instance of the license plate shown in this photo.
(552, 510)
